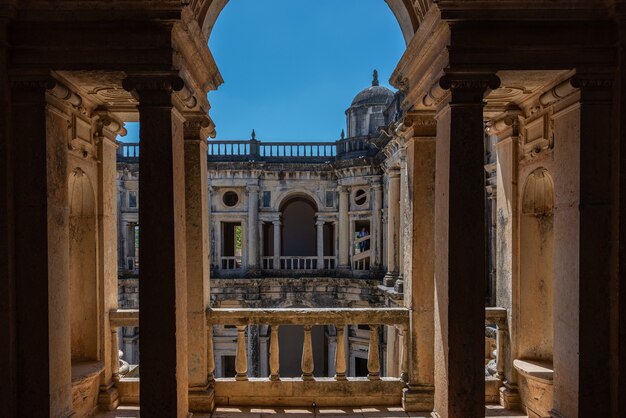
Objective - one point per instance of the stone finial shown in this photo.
(253, 134)
(375, 78)
(343, 134)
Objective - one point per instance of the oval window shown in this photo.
(230, 199)
(360, 197)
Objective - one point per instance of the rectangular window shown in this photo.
(267, 199)
(330, 199)
(132, 199)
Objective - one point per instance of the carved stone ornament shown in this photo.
(480, 82)
(153, 89)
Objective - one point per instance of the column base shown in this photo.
(201, 399)
(108, 398)
(509, 396)
(390, 279)
(418, 398)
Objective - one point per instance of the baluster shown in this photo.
(340, 355)
(115, 355)
(274, 355)
(307, 354)
(373, 357)
(404, 354)
(500, 341)
(241, 362)
(210, 358)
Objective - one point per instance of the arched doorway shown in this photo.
(83, 268)
(298, 231)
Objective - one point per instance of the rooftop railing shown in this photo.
(254, 150)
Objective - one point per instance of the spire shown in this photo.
(253, 134)
(343, 134)
(375, 78)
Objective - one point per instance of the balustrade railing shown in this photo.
(253, 150)
(498, 317)
(230, 262)
(307, 318)
(298, 263)
(128, 150)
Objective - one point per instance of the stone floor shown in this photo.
(262, 412)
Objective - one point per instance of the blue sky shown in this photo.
(292, 67)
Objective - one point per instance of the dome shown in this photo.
(373, 95)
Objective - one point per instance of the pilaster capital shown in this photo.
(393, 172)
(320, 222)
(422, 122)
(593, 86)
(252, 188)
(343, 189)
(469, 88)
(276, 222)
(195, 126)
(376, 184)
(508, 119)
(153, 89)
(30, 88)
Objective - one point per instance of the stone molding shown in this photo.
(153, 89)
(468, 88)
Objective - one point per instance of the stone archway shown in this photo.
(298, 231)
(409, 14)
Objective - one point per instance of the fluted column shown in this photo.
(277, 245)
(320, 244)
(344, 228)
(198, 289)
(163, 290)
(460, 247)
(253, 226)
(393, 226)
(376, 228)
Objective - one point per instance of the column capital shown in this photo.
(30, 88)
(276, 222)
(376, 184)
(153, 89)
(393, 172)
(197, 126)
(252, 188)
(594, 87)
(469, 88)
(320, 222)
(343, 189)
(422, 122)
(109, 126)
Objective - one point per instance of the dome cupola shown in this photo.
(365, 114)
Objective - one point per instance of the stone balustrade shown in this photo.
(328, 390)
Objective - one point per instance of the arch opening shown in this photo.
(298, 227)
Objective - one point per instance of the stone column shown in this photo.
(253, 226)
(108, 128)
(393, 226)
(40, 251)
(163, 290)
(277, 234)
(344, 228)
(419, 286)
(197, 261)
(376, 227)
(404, 232)
(460, 248)
(320, 244)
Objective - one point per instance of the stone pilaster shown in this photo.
(393, 227)
(404, 233)
(108, 129)
(344, 228)
(197, 259)
(277, 245)
(593, 356)
(163, 289)
(419, 287)
(320, 243)
(376, 227)
(460, 247)
(253, 226)
(40, 251)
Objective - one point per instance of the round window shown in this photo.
(230, 199)
(360, 197)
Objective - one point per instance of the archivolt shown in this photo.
(409, 14)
